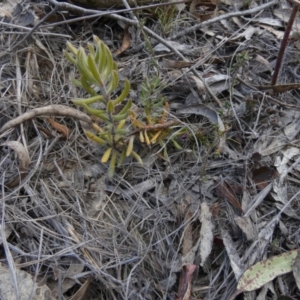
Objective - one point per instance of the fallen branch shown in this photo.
(55, 110)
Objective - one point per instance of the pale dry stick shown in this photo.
(19, 97)
(29, 29)
(126, 5)
(56, 110)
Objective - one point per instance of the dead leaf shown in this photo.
(265, 271)
(185, 282)
(206, 232)
(204, 111)
(64, 130)
(126, 41)
(278, 33)
(284, 15)
(24, 161)
(81, 292)
(263, 176)
(296, 269)
(174, 64)
(262, 60)
(187, 244)
(235, 260)
(247, 227)
(28, 288)
(224, 191)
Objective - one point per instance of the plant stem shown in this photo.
(284, 43)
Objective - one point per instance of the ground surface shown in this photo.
(182, 227)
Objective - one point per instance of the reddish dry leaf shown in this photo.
(185, 282)
(82, 291)
(263, 176)
(187, 244)
(64, 130)
(126, 41)
(224, 191)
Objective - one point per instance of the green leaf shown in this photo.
(112, 164)
(91, 49)
(96, 112)
(108, 68)
(88, 101)
(265, 271)
(72, 48)
(76, 82)
(83, 68)
(120, 117)
(95, 138)
(124, 93)
(126, 107)
(93, 68)
(176, 145)
(87, 87)
(114, 81)
(69, 57)
(101, 59)
(115, 66)
(110, 106)
(137, 158)
(122, 157)
(121, 131)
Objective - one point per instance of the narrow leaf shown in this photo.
(106, 155)
(124, 93)
(87, 86)
(130, 146)
(112, 164)
(69, 57)
(122, 157)
(95, 138)
(72, 48)
(93, 68)
(88, 101)
(137, 157)
(110, 106)
(126, 107)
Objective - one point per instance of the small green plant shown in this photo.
(121, 125)
(166, 16)
(98, 70)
